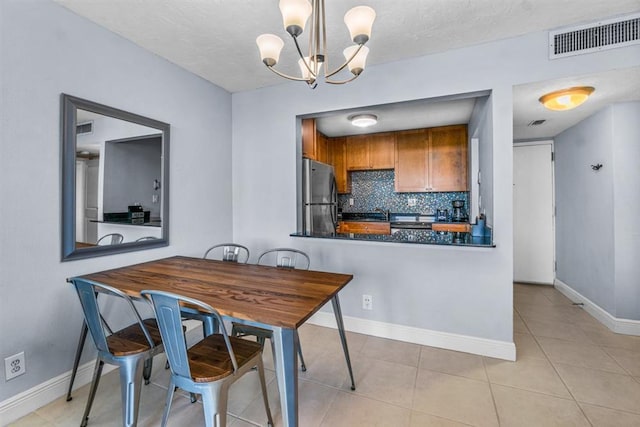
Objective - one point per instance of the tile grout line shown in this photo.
(493, 397)
(556, 370)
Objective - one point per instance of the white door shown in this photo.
(533, 221)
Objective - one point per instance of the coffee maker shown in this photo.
(459, 213)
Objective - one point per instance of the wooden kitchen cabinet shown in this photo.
(370, 152)
(432, 159)
(448, 158)
(337, 157)
(314, 143)
(451, 226)
(364, 227)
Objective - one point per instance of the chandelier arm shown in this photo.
(324, 37)
(341, 82)
(295, 39)
(326, 75)
(286, 76)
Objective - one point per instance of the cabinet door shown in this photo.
(381, 151)
(358, 152)
(337, 153)
(309, 138)
(412, 161)
(321, 148)
(448, 159)
(364, 227)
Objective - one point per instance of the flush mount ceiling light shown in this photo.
(364, 120)
(566, 99)
(295, 14)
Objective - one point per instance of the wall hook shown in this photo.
(596, 167)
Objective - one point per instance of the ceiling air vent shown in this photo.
(594, 37)
(536, 122)
(84, 128)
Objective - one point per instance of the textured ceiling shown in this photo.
(215, 39)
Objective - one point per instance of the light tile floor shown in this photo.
(571, 371)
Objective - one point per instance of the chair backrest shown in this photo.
(167, 307)
(229, 252)
(142, 239)
(111, 239)
(285, 258)
(88, 293)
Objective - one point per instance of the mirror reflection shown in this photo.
(118, 180)
(114, 167)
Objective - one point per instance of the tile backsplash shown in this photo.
(375, 189)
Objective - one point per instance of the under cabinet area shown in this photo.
(433, 159)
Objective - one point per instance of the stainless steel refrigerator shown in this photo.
(319, 198)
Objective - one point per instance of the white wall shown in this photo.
(465, 291)
(597, 231)
(46, 50)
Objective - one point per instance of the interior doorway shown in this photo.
(533, 213)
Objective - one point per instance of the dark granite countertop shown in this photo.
(424, 237)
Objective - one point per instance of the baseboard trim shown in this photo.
(36, 397)
(618, 325)
(468, 344)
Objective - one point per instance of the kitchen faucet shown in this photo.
(383, 211)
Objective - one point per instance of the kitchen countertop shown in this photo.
(424, 237)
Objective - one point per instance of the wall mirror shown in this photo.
(115, 176)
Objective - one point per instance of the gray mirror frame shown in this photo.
(69, 105)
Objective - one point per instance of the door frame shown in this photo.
(551, 143)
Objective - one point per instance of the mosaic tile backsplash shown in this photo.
(375, 189)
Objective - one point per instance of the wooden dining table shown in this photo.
(274, 298)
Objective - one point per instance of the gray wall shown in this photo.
(130, 169)
(597, 231)
(46, 50)
(481, 127)
(626, 199)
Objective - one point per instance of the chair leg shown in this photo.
(146, 373)
(263, 386)
(97, 372)
(130, 386)
(167, 405)
(76, 362)
(299, 347)
(210, 404)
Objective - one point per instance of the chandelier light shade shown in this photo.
(364, 120)
(566, 99)
(295, 14)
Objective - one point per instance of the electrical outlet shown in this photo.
(351, 201)
(14, 366)
(411, 202)
(367, 302)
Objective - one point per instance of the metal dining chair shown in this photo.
(228, 252)
(210, 366)
(110, 239)
(142, 239)
(281, 258)
(231, 252)
(131, 348)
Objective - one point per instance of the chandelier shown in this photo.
(295, 14)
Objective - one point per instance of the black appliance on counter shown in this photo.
(442, 215)
(459, 213)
